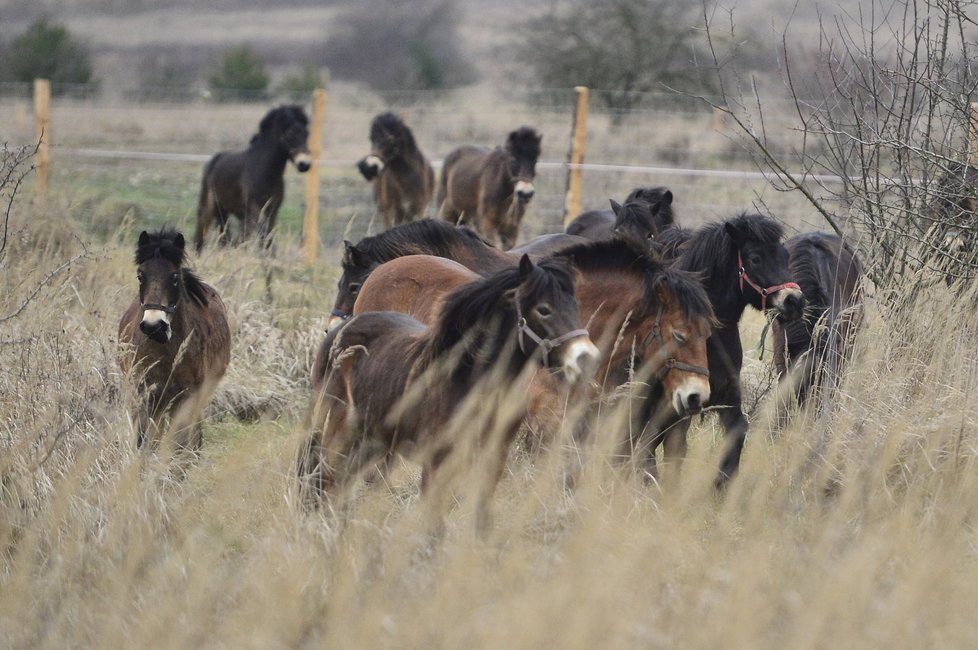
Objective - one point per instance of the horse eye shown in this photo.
(651, 235)
(543, 311)
(141, 277)
(354, 288)
(681, 338)
(175, 279)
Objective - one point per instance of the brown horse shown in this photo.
(632, 302)
(644, 214)
(248, 184)
(404, 180)
(817, 347)
(174, 337)
(490, 189)
(370, 372)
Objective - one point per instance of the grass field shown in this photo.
(855, 529)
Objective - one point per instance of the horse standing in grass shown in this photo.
(816, 348)
(640, 310)
(404, 180)
(646, 212)
(489, 189)
(248, 184)
(174, 337)
(384, 379)
(742, 262)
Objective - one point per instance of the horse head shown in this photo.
(390, 139)
(523, 147)
(762, 266)
(647, 211)
(548, 319)
(159, 258)
(357, 265)
(288, 128)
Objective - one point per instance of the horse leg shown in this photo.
(206, 209)
(735, 426)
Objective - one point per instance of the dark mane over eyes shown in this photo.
(428, 236)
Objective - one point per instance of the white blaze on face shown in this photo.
(524, 188)
(375, 162)
(693, 385)
(153, 317)
(580, 357)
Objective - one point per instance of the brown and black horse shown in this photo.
(489, 189)
(816, 348)
(174, 337)
(639, 309)
(248, 183)
(646, 212)
(742, 261)
(384, 379)
(404, 180)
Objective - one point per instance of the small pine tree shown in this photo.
(47, 50)
(240, 74)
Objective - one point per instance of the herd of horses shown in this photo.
(439, 341)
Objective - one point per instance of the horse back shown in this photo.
(594, 225)
(461, 173)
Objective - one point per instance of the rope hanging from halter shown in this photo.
(764, 292)
(523, 329)
(670, 362)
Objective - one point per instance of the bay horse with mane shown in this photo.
(174, 337)
(489, 189)
(248, 184)
(383, 379)
(639, 309)
(741, 262)
(646, 212)
(404, 180)
(816, 348)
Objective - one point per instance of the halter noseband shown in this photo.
(764, 292)
(339, 314)
(523, 329)
(670, 362)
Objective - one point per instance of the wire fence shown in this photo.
(151, 146)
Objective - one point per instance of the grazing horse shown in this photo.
(646, 212)
(633, 304)
(404, 180)
(742, 262)
(174, 336)
(489, 189)
(368, 370)
(248, 184)
(817, 346)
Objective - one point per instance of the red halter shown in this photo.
(742, 273)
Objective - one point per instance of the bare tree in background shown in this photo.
(886, 108)
(628, 47)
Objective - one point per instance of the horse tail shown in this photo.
(206, 205)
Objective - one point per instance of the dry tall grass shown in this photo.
(854, 530)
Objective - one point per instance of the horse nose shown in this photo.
(303, 162)
(693, 403)
(524, 190)
(691, 396)
(156, 330)
(792, 305)
(581, 359)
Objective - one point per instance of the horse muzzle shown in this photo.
(790, 304)
(303, 162)
(691, 396)
(370, 167)
(156, 325)
(524, 191)
(579, 360)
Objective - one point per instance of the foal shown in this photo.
(174, 337)
(646, 212)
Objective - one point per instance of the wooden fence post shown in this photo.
(310, 220)
(42, 122)
(575, 156)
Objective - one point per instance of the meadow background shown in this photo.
(855, 527)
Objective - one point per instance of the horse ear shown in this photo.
(143, 238)
(179, 241)
(615, 207)
(526, 267)
(666, 200)
(352, 255)
(733, 233)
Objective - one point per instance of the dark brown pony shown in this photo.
(646, 212)
(639, 309)
(742, 262)
(370, 373)
(404, 180)
(174, 337)
(248, 184)
(817, 347)
(490, 188)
